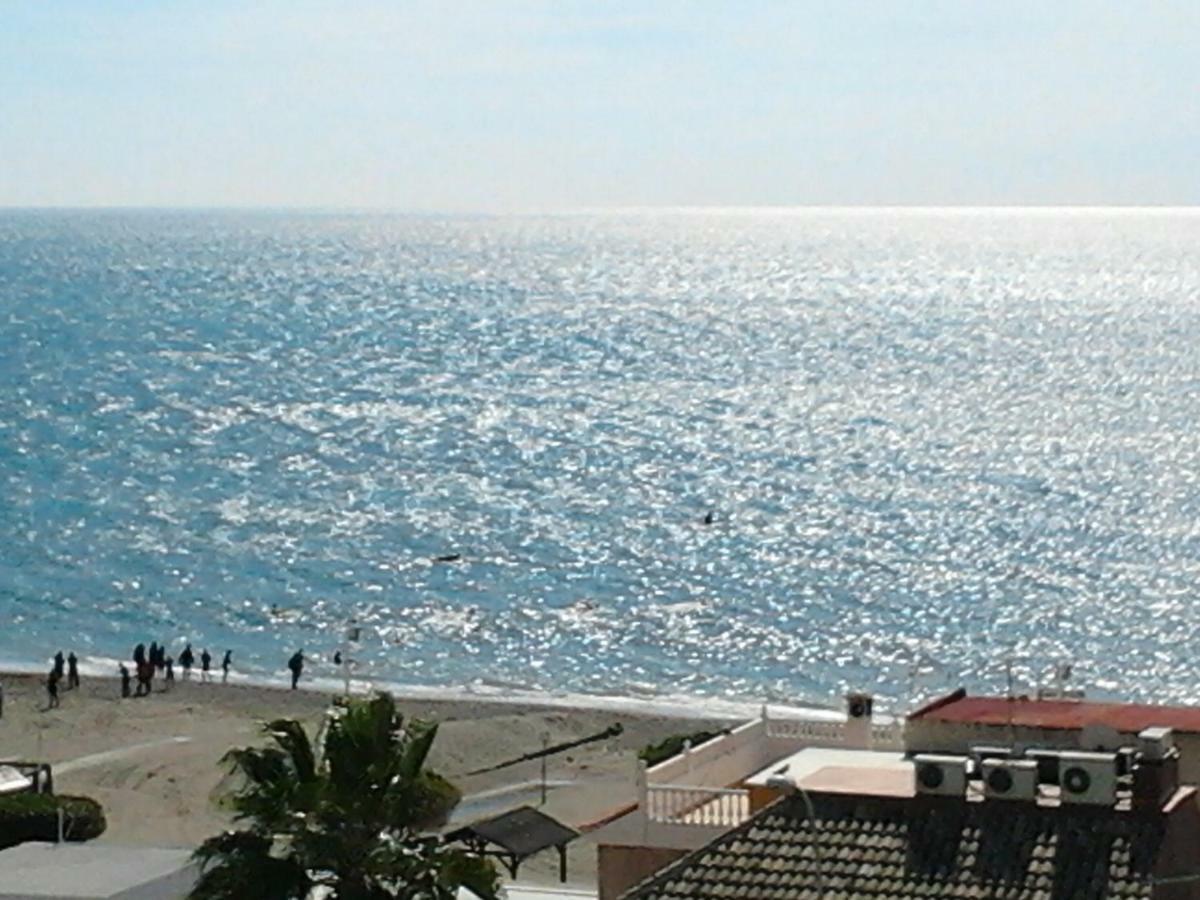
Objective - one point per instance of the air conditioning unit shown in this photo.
(1156, 743)
(942, 775)
(1010, 779)
(1087, 778)
(859, 706)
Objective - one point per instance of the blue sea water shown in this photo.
(932, 441)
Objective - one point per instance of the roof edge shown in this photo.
(937, 703)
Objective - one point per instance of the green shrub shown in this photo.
(653, 754)
(436, 799)
(34, 817)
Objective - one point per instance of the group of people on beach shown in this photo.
(148, 662)
(67, 667)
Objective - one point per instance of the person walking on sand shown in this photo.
(296, 664)
(170, 664)
(72, 671)
(205, 664)
(186, 658)
(52, 689)
(225, 663)
(124, 670)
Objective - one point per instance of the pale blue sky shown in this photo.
(534, 105)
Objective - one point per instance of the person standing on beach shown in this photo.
(139, 654)
(169, 662)
(225, 663)
(145, 678)
(205, 664)
(59, 665)
(52, 688)
(186, 658)
(296, 664)
(124, 670)
(72, 671)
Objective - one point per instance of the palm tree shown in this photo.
(345, 822)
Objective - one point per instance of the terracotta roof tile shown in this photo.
(1127, 718)
(927, 849)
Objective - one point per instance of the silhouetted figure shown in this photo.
(60, 665)
(337, 657)
(139, 654)
(125, 679)
(145, 678)
(161, 662)
(225, 664)
(296, 664)
(170, 664)
(52, 689)
(186, 658)
(709, 517)
(205, 664)
(72, 671)
(152, 654)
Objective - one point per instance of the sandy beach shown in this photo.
(153, 762)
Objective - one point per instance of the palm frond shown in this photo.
(292, 739)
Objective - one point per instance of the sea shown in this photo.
(743, 455)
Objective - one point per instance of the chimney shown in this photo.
(1156, 775)
(858, 720)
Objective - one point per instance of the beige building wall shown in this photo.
(623, 867)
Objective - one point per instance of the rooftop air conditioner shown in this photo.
(941, 775)
(1010, 779)
(1156, 743)
(859, 706)
(1088, 778)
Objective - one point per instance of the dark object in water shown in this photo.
(448, 557)
(709, 517)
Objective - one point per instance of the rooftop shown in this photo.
(1025, 712)
(871, 848)
(94, 872)
(843, 772)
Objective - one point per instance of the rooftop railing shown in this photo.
(703, 806)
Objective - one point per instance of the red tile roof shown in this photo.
(1024, 712)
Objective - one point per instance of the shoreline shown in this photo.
(676, 706)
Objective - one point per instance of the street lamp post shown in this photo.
(790, 786)
(350, 636)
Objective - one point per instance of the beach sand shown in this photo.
(154, 762)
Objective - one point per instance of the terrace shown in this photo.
(690, 799)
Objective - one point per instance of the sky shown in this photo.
(502, 105)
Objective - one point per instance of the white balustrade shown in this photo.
(682, 805)
(807, 729)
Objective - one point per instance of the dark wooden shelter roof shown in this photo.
(521, 832)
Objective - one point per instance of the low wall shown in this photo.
(720, 762)
(620, 868)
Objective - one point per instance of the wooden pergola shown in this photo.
(517, 835)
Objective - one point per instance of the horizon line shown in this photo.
(614, 209)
